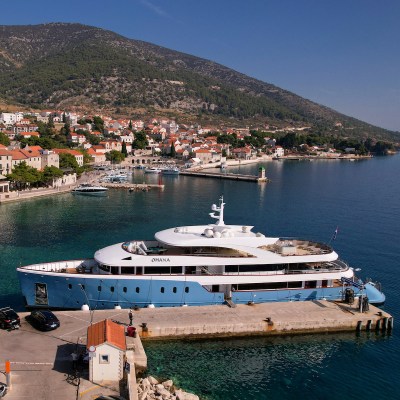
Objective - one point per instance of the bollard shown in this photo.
(369, 323)
(359, 326)
(378, 325)
(8, 374)
(390, 324)
(384, 325)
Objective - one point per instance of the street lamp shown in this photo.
(88, 303)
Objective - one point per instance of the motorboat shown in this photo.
(90, 190)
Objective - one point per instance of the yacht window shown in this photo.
(128, 270)
(139, 270)
(297, 284)
(162, 270)
(261, 286)
(105, 268)
(99, 288)
(260, 268)
(115, 270)
(137, 289)
(162, 290)
(174, 289)
(112, 289)
(125, 289)
(186, 289)
(310, 284)
(69, 286)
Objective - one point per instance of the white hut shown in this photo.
(107, 345)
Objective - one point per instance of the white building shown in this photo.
(107, 339)
(11, 118)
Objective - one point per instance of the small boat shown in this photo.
(90, 190)
(152, 170)
(171, 171)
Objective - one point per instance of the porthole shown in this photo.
(162, 290)
(137, 289)
(99, 288)
(69, 286)
(125, 289)
(112, 289)
(174, 289)
(186, 289)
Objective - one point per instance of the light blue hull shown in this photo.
(58, 292)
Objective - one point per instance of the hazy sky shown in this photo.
(344, 54)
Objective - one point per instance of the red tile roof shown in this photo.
(106, 331)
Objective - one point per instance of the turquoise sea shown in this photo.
(306, 199)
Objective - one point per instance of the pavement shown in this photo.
(41, 362)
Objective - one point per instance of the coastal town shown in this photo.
(50, 149)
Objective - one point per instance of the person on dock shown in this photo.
(130, 317)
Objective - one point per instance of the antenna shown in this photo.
(219, 209)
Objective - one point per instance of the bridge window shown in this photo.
(310, 284)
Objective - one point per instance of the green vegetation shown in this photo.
(140, 141)
(115, 156)
(105, 70)
(24, 176)
(4, 139)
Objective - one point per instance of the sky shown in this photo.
(344, 54)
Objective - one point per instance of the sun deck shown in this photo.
(287, 247)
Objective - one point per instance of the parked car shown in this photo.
(9, 319)
(3, 389)
(43, 320)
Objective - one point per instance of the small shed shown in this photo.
(107, 345)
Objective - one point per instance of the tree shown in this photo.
(4, 139)
(124, 151)
(98, 124)
(140, 141)
(68, 161)
(23, 175)
(115, 156)
(172, 152)
(51, 173)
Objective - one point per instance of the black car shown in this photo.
(43, 320)
(9, 319)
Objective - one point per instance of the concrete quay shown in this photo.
(41, 362)
(222, 175)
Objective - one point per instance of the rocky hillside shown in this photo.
(64, 65)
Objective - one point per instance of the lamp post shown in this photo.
(88, 302)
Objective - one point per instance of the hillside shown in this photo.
(71, 65)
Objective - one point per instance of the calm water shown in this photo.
(307, 199)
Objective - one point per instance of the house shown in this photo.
(243, 153)
(5, 161)
(49, 158)
(98, 158)
(78, 156)
(278, 151)
(107, 344)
